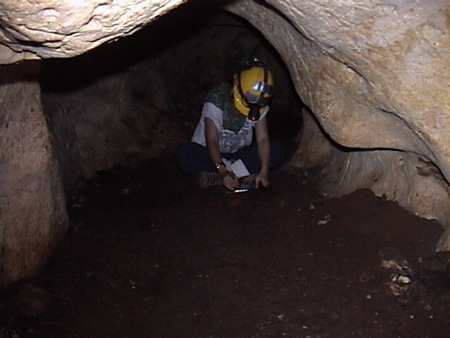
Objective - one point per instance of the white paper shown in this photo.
(237, 167)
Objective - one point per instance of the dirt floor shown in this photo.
(149, 254)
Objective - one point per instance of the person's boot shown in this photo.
(209, 179)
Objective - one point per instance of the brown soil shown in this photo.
(151, 255)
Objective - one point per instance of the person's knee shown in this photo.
(191, 158)
(182, 159)
(278, 153)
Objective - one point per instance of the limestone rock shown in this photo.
(373, 74)
(64, 28)
(33, 216)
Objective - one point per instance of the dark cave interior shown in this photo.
(210, 47)
(148, 254)
(162, 74)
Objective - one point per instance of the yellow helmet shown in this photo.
(252, 90)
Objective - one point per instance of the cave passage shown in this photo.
(141, 97)
(150, 254)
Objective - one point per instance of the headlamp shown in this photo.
(254, 114)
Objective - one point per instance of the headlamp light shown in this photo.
(254, 114)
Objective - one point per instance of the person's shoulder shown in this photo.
(224, 87)
(218, 94)
(219, 89)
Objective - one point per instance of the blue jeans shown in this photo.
(193, 158)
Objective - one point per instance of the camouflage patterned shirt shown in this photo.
(235, 130)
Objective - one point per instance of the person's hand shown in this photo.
(230, 181)
(262, 179)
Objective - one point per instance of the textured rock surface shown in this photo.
(125, 102)
(32, 206)
(64, 28)
(141, 97)
(374, 75)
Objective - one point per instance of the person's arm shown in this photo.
(212, 146)
(262, 139)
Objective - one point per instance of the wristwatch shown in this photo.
(218, 165)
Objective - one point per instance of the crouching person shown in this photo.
(231, 143)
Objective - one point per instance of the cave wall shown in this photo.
(405, 177)
(33, 215)
(373, 74)
(66, 28)
(141, 97)
(131, 100)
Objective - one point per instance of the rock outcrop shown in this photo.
(374, 76)
(33, 215)
(63, 28)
